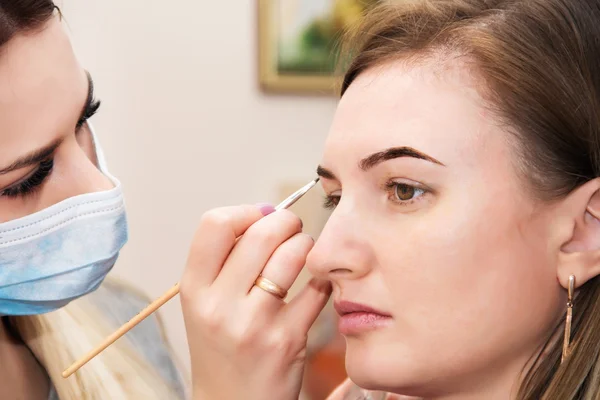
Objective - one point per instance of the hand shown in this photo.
(246, 343)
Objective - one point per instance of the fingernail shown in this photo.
(265, 208)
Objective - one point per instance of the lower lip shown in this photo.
(358, 322)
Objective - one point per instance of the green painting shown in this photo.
(309, 32)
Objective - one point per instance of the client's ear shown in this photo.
(580, 252)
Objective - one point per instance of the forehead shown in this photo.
(436, 110)
(42, 88)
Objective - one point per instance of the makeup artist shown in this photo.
(62, 225)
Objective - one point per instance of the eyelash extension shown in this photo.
(89, 112)
(31, 183)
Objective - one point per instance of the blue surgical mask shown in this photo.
(61, 253)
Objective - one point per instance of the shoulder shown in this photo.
(119, 302)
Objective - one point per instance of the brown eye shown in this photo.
(404, 192)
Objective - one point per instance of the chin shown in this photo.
(384, 368)
(372, 365)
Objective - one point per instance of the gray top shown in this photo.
(120, 304)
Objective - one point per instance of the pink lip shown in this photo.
(356, 318)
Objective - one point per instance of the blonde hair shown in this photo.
(60, 337)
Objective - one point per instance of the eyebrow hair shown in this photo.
(381, 156)
(394, 152)
(39, 155)
(325, 173)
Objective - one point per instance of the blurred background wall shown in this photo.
(185, 126)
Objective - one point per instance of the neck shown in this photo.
(21, 375)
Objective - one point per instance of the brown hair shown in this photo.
(539, 61)
(23, 15)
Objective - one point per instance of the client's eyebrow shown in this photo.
(381, 156)
(392, 153)
(41, 154)
(325, 173)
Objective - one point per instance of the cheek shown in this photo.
(469, 278)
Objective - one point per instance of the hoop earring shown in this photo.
(567, 339)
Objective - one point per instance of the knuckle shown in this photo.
(292, 219)
(295, 256)
(273, 232)
(282, 341)
(262, 236)
(214, 218)
(243, 335)
(186, 291)
(210, 315)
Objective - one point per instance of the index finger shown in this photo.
(215, 238)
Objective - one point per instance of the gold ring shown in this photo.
(270, 287)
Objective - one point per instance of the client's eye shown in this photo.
(399, 193)
(331, 201)
(404, 193)
(31, 182)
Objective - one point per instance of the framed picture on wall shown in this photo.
(299, 42)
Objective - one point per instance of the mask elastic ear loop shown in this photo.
(100, 156)
(98, 150)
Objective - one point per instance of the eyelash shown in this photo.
(29, 185)
(391, 187)
(89, 113)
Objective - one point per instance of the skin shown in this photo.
(378, 250)
(471, 266)
(43, 89)
(468, 267)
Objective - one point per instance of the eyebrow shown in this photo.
(39, 155)
(381, 156)
(392, 153)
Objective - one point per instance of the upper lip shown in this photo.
(347, 307)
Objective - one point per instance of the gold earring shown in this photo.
(567, 339)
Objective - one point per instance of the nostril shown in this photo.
(340, 271)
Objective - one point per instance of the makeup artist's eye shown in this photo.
(31, 182)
